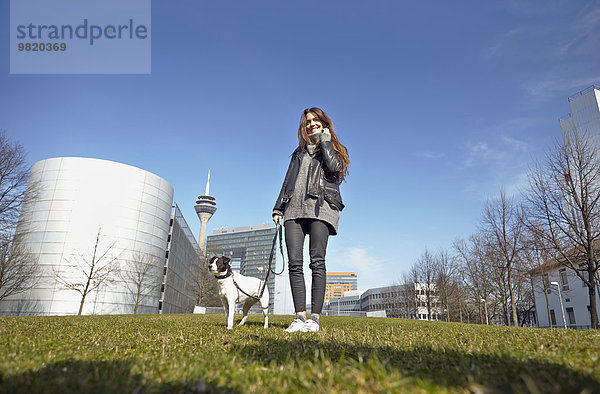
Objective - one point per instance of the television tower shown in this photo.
(205, 208)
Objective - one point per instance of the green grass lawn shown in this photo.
(195, 353)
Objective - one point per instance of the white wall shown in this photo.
(283, 304)
(77, 198)
(575, 296)
(584, 116)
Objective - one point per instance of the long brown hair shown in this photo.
(340, 150)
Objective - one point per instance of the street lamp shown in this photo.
(562, 309)
(487, 322)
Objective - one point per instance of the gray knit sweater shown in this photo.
(303, 206)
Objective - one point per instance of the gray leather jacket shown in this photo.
(323, 178)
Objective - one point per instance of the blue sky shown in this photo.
(440, 104)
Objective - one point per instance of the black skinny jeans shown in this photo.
(295, 232)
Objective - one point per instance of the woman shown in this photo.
(310, 203)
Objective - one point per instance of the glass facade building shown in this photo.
(182, 267)
(249, 248)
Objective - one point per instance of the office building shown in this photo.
(346, 305)
(338, 283)
(91, 211)
(585, 114)
(407, 301)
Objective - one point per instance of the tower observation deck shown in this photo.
(205, 207)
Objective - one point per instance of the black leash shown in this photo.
(278, 234)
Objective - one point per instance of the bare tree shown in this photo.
(503, 222)
(476, 272)
(499, 281)
(204, 286)
(446, 284)
(405, 297)
(14, 173)
(424, 272)
(524, 293)
(563, 196)
(18, 267)
(142, 277)
(96, 270)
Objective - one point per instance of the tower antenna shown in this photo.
(205, 207)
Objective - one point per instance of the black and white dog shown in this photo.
(230, 294)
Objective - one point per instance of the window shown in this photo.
(571, 316)
(546, 280)
(553, 317)
(586, 276)
(564, 280)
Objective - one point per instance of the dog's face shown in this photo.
(218, 265)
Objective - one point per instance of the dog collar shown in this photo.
(227, 275)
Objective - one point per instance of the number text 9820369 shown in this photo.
(42, 47)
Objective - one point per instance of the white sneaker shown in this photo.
(297, 325)
(310, 326)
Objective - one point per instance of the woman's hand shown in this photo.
(277, 218)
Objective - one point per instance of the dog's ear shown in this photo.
(225, 259)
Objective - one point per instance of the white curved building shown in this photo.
(79, 201)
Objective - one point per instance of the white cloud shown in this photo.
(517, 185)
(590, 20)
(576, 46)
(512, 126)
(529, 9)
(516, 144)
(551, 87)
(512, 185)
(501, 161)
(504, 41)
(480, 151)
(584, 35)
(371, 270)
(477, 147)
(563, 39)
(427, 154)
(502, 148)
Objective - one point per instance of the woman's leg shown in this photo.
(319, 235)
(294, 241)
